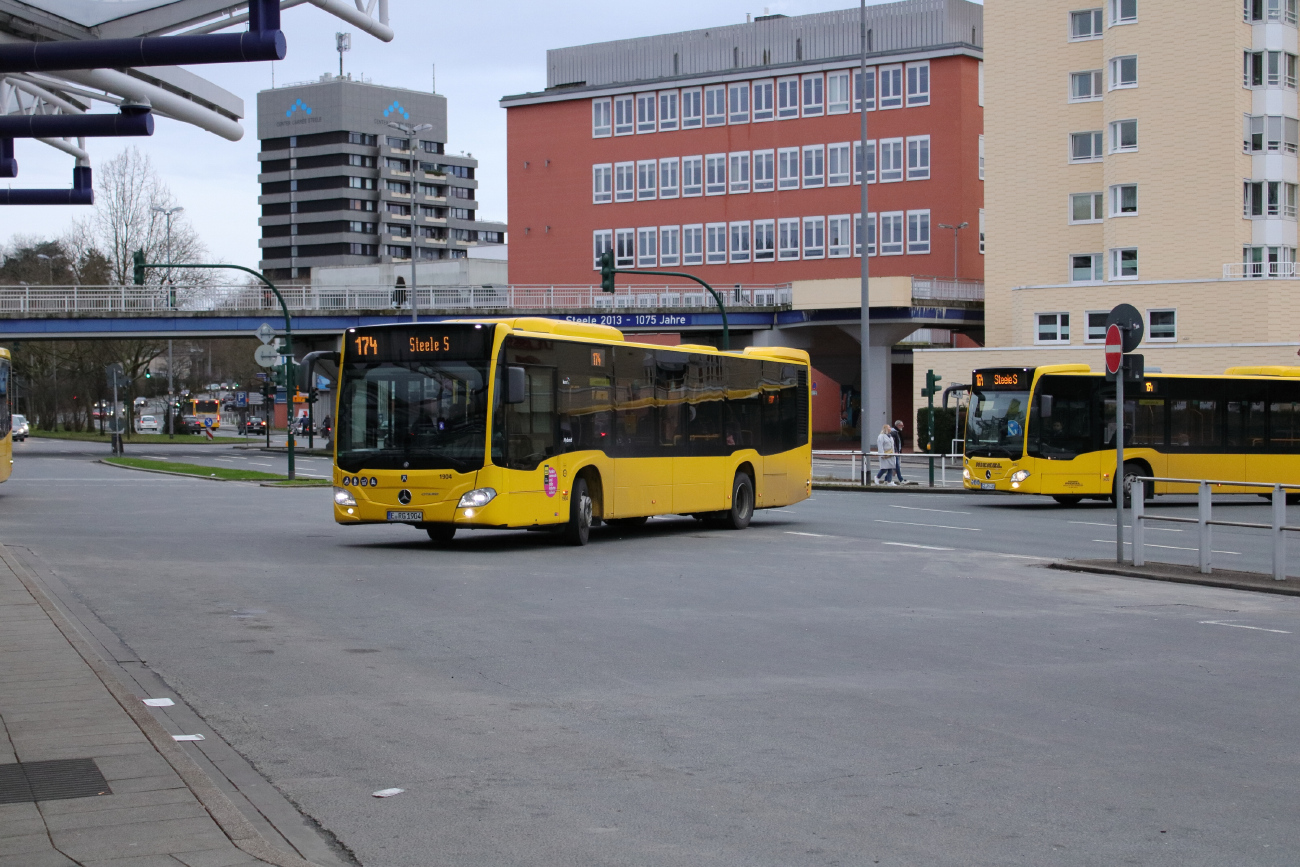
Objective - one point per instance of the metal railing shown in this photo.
(947, 289)
(1205, 522)
(38, 300)
(1248, 270)
(846, 467)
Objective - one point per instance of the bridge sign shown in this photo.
(266, 355)
(265, 332)
(1114, 349)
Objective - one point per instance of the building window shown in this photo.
(602, 184)
(692, 176)
(400, 187)
(870, 90)
(363, 249)
(624, 182)
(918, 83)
(645, 112)
(1124, 200)
(1085, 24)
(647, 252)
(624, 123)
(738, 172)
(814, 237)
(715, 174)
(814, 166)
(1123, 11)
(692, 116)
(715, 243)
(715, 105)
(391, 250)
(740, 242)
(918, 158)
(837, 92)
(1270, 134)
(1085, 207)
(1085, 86)
(814, 99)
(764, 240)
(602, 241)
(1277, 10)
(669, 245)
(646, 171)
(891, 160)
(1162, 324)
(918, 232)
(787, 168)
(1269, 69)
(361, 183)
(1085, 147)
(981, 157)
(1052, 328)
(359, 138)
(837, 236)
(1268, 199)
(787, 97)
(837, 164)
(891, 234)
(1124, 71)
(1124, 263)
(693, 245)
(397, 143)
(1268, 261)
(981, 231)
(787, 238)
(1123, 136)
(891, 87)
(857, 235)
(667, 110)
(668, 183)
(871, 162)
(1095, 322)
(764, 171)
(738, 102)
(624, 248)
(763, 100)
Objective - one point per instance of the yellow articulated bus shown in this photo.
(6, 417)
(540, 423)
(1051, 430)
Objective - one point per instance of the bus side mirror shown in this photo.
(516, 385)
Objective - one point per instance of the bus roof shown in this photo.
(1266, 371)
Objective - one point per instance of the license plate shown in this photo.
(406, 516)
(984, 486)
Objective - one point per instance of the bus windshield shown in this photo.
(995, 423)
(205, 406)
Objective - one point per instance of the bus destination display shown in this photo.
(421, 343)
(995, 379)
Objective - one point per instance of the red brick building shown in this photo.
(736, 152)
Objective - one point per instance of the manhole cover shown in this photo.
(51, 781)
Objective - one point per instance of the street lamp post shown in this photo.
(171, 287)
(410, 132)
(49, 261)
(864, 431)
(955, 229)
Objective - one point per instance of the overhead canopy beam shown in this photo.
(81, 193)
(131, 121)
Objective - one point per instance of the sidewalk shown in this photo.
(101, 783)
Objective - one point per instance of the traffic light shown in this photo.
(607, 271)
(138, 258)
(931, 384)
(148, 374)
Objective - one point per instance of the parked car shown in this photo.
(254, 425)
(148, 423)
(20, 427)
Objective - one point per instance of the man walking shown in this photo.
(896, 433)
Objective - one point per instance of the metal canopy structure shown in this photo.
(60, 57)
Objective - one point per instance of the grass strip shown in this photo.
(229, 474)
(142, 439)
(299, 483)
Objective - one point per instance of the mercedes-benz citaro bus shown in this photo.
(6, 417)
(205, 408)
(540, 423)
(1051, 430)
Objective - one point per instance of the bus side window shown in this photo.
(705, 408)
(1284, 417)
(1196, 414)
(670, 397)
(634, 410)
(744, 404)
(585, 395)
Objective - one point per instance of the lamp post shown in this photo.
(168, 212)
(955, 229)
(865, 337)
(410, 132)
(49, 261)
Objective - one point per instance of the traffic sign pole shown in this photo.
(1119, 466)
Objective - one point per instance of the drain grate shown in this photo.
(51, 781)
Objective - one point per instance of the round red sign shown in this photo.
(1114, 349)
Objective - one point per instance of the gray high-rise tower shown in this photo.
(340, 185)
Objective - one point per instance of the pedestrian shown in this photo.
(885, 447)
(897, 434)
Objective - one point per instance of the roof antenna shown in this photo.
(342, 43)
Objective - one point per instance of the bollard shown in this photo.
(1279, 537)
(1203, 525)
(1138, 499)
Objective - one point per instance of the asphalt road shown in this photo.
(818, 689)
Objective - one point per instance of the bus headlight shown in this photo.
(477, 498)
(343, 497)
(1019, 476)
(965, 473)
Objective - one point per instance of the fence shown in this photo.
(35, 300)
(847, 468)
(946, 289)
(1205, 522)
(1247, 270)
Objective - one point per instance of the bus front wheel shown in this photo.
(440, 534)
(742, 503)
(578, 530)
(1067, 499)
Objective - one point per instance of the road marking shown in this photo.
(1169, 547)
(1112, 526)
(817, 535)
(926, 547)
(1242, 626)
(920, 509)
(1094, 523)
(915, 524)
(261, 464)
(1016, 556)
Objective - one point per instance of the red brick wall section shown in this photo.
(825, 404)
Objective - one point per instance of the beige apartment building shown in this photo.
(1139, 151)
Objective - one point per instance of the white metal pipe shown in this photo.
(1203, 525)
(1138, 515)
(357, 18)
(67, 147)
(1279, 537)
(231, 21)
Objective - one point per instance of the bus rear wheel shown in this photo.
(1067, 499)
(440, 534)
(742, 503)
(578, 530)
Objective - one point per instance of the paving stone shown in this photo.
(147, 838)
(125, 816)
(225, 857)
(25, 844)
(117, 801)
(48, 858)
(18, 820)
(147, 783)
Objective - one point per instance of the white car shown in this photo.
(20, 427)
(147, 423)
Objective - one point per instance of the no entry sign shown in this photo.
(1114, 349)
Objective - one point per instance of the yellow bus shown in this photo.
(540, 423)
(202, 409)
(1051, 430)
(6, 417)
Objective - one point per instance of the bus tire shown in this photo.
(627, 523)
(742, 503)
(578, 529)
(440, 534)
(1132, 469)
(1067, 499)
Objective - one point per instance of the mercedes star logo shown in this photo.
(404, 497)
(988, 474)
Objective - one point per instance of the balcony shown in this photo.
(1259, 270)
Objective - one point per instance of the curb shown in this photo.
(227, 816)
(889, 489)
(108, 463)
(1174, 578)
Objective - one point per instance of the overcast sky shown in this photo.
(482, 52)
